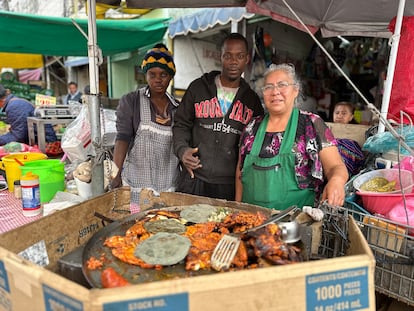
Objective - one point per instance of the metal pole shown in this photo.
(395, 41)
(95, 59)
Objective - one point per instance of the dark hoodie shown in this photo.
(199, 123)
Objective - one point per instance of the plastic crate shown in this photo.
(393, 249)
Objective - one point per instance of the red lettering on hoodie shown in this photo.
(241, 113)
(208, 109)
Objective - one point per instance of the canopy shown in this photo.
(335, 17)
(23, 33)
(206, 19)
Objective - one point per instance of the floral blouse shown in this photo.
(312, 136)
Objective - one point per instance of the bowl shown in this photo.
(389, 174)
(380, 202)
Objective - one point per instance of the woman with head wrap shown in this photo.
(143, 146)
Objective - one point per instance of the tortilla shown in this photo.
(163, 249)
(198, 213)
(165, 225)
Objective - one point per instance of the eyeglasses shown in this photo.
(281, 86)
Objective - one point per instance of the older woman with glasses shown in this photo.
(288, 157)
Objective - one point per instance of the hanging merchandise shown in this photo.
(268, 48)
(258, 63)
(402, 97)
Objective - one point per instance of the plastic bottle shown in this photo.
(30, 194)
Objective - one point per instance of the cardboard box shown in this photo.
(343, 283)
(350, 131)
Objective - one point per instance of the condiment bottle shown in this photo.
(17, 189)
(30, 194)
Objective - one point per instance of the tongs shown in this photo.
(228, 245)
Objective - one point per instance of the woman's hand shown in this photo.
(336, 174)
(334, 192)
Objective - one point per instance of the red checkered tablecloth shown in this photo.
(11, 213)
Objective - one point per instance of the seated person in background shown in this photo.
(349, 149)
(17, 110)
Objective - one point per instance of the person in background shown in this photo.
(288, 157)
(350, 150)
(17, 110)
(214, 110)
(87, 90)
(143, 147)
(344, 113)
(2, 100)
(306, 101)
(73, 95)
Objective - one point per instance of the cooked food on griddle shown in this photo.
(203, 241)
(160, 239)
(110, 278)
(165, 225)
(94, 263)
(198, 213)
(163, 248)
(266, 244)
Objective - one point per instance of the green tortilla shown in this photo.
(165, 225)
(163, 249)
(198, 213)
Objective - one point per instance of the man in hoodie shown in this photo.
(213, 112)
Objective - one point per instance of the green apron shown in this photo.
(271, 182)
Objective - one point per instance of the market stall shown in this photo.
(347, 267)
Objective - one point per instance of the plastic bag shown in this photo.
(398, 214)
(406, 164)
(76, 141)
(384, 142)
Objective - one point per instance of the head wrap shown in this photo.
(2, 91)
(160, 57)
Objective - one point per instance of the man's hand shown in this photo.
(191, 160)
(116, 182)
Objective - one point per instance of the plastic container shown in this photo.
(17, 189)
(399, 213)
(10, 165)
(51, 176)
(84, 189)
(30, 195)
(389, 174)
(383, 202)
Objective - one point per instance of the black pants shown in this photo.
(196, 186)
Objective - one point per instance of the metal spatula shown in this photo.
(228, 245)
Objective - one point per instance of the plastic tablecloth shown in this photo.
(11, 212)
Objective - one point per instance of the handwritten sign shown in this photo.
(44, 100)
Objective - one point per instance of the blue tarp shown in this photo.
(206, 19)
